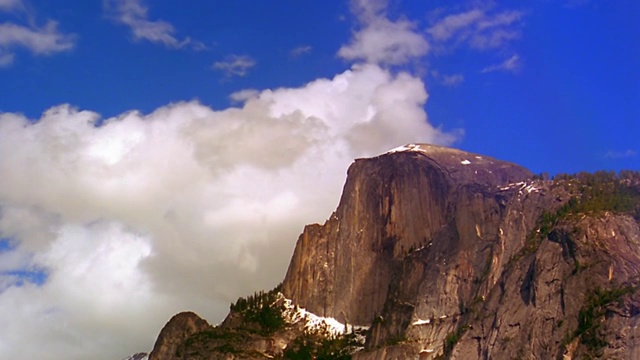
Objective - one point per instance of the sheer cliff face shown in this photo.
(424, 199)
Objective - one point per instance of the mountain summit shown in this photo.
(439, 253)
(415, 197)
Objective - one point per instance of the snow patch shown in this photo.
(408, 147)
(465, 162)
(421, 322)
(521, 186)
(312, 321)
(531, 188)
(424, 247)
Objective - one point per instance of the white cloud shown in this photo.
(381, 40)
(45, 40)
(301, 50)
(8, 5)
(511, 64)
(477, 28)
(445, 28)
(134, 14)
(620, 154)
(244, 95)
(184, 208)
(235, 65)
(6, 59)
(451, 80)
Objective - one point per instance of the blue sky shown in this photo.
(569, 103)
(157, 157)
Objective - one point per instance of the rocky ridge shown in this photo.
(441, 253)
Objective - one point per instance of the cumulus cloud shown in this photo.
(235, 65)
(477, 28)
(511, 64)
(45, 40)
(380, 40)
(135, 15)
(136, 217)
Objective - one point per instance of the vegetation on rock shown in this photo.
(320, 343)
(263, 309)
(591, 193)
(602, 191)
(591, 316)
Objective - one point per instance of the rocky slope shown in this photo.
(447, 254)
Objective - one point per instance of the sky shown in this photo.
(157, 157)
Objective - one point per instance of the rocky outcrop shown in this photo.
(174, 333)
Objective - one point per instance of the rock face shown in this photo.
(577, 283)
(443, 201)
(448, 254)
(174, 333)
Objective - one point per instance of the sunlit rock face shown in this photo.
(443, 202)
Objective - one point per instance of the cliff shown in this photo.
(442, 253)
(425, 197)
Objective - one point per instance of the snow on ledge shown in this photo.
(296, 314)
(408, 147)
(421, 322)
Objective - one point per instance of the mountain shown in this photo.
(434, 253)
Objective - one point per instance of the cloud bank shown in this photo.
(129, 219)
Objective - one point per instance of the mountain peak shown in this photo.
(466, 167)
